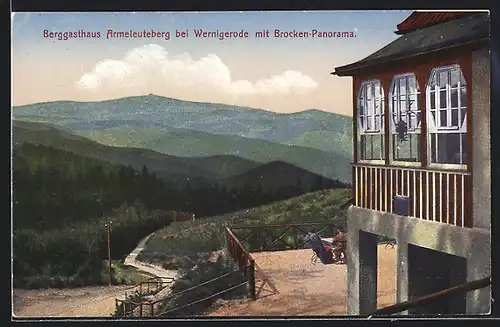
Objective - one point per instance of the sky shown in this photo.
(273, 73)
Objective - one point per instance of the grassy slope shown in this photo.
(208, 234)
(164, 165)
(324, 140)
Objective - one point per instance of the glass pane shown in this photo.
(377, 90)
(454, 78)
(376, 147)
(433, 148)
(408, 149)
(394, 87)
(361, 110)
(380, 105)
(403, 106)
(412, 84)
(454, 117)
(413, 103)
(462, 115)
(449, 148)
(368, 108)
(369, 91)
(462, 79)
(443, 116)
(369, 122)
(442, 99)
(402, 85)
(454, 98)
(434, 117)
(362, 147)
(463, 97)
(382, 147)
(412, 121)
(433, 81)
(443, 78)
(433, 99)
(464, 148)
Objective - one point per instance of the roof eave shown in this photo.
(351, 69)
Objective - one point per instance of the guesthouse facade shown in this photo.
(421, 161)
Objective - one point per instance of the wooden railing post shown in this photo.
(140, 309)
(152, 310)
(251, 280)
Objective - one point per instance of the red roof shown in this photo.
(420, 19)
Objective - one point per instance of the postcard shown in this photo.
(251, 164)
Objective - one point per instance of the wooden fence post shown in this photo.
(251, 280)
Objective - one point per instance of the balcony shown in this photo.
(434, 195)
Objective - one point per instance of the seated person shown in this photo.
(340, 244)
(321, 249)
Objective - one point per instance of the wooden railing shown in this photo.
(243, 258)
(136, 306)
(403, 306)
(440, 196)
(169, 310)
(282, 237)
(133, 305)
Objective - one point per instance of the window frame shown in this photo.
(362, 131)
(391, 94)
(462, 128)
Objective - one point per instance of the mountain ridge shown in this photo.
(153, 96)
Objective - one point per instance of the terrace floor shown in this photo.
(306, 288)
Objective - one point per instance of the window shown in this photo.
(446, 107)
(371, 121)
(404, 119)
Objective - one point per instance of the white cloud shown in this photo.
(151, 64)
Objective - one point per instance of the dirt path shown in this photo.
(77, 302)
(306, 288)
(96, 301)
(131, 260)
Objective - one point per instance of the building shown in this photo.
(421, 162)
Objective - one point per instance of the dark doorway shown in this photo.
(432, 271)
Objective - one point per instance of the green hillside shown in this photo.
(165, 166)
(204, 235)
(283, 178)
(325, 140)
(139, 120)
(191, 143)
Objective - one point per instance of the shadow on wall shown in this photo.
(478, 266)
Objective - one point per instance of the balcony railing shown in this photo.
(440, 196)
